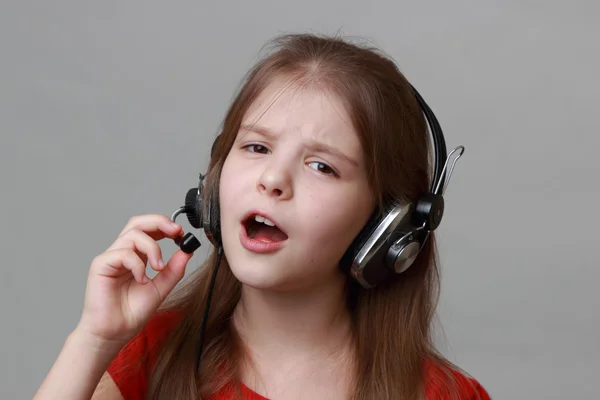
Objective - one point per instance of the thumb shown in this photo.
(166, 279)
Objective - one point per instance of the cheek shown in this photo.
(228, 187)
(224, 185)
(335, 220)
(231, 178)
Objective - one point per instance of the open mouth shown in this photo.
(263, 229)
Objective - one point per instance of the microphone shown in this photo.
(189, 243)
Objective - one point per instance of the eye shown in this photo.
(323, 168)
(256, 148)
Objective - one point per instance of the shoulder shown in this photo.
(131, 367)
(448, 382)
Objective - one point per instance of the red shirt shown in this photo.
(134, 386)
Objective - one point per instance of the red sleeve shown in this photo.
(470, 389)
(443, 384)
(132, 366)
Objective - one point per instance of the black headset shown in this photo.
(389, 242)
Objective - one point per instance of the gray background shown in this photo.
(107, 110)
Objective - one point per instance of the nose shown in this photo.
(276, 180)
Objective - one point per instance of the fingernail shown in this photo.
(145, 280)
(161, 263)
(174, 225)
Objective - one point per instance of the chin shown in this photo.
(260, 275)
(259, 271)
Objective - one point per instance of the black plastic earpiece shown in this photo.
(188, 243)
(193, 210)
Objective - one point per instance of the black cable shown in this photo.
(207, 308)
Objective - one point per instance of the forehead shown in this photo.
(305, 112)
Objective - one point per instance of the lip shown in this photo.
(264, 215)
(257, 246)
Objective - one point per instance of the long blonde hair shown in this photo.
(392, 322)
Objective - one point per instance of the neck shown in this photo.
(286, 324)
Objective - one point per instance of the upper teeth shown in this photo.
(266, 221)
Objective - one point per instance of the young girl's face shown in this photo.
(298, 162)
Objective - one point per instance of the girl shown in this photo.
(323, 135)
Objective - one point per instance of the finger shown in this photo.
(157, 226)
(146, 247)
(118, 262)
(166, 280)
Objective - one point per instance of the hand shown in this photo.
(120, 298)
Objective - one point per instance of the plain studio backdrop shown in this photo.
(108, 110)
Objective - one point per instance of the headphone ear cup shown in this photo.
(202, 210)
(359, 241)
(193, 207)
(402, 254)
(384, 246)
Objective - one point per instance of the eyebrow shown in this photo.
(314, 145)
